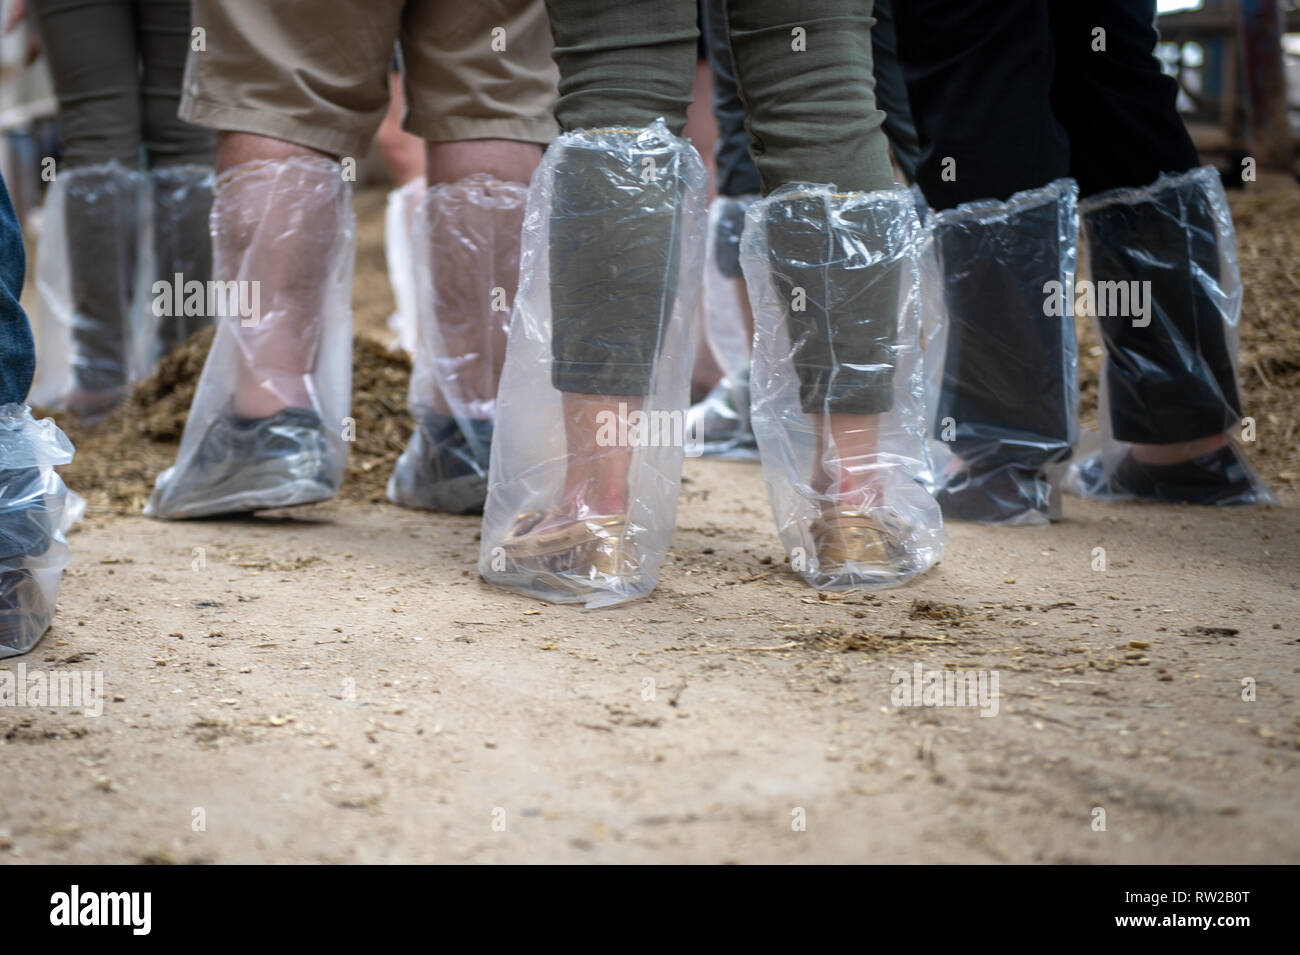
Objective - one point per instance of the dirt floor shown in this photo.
(335, 684)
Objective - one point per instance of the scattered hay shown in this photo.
(1268, 246)
(937, 610)
(832, 639)
(118, 459)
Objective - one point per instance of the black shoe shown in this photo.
(1002, 494)
(1218, 478)
(25, 613)
(442, 469)
(25, 526)
(250, 464)
(26, 531)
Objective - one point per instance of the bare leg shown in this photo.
(846, 446)
(461, 274)
(596, 481)
(1159, 454)
(235, 149)
(746, 309)
(702, 130)
(285, 349)
(596, 473)
(403, 152)
(507, 159)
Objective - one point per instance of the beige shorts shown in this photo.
(315, 72)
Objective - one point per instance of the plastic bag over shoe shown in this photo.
(36, 509)
(835, 283)
(1164, 292)
(613, 245)
(721, 419)
(283, 253)
(1001, 354)
(466, 242)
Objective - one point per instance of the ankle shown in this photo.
(848, 490)
(262, 394)
(1176, 453)
(596, 501)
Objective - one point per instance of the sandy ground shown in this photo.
(334, 684)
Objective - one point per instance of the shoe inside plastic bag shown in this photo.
(269, 424)
(466, 237)
(92, 317)
(1001, 354)
(838, 390)
(719, 425)
(591, 416)
(1161, 282)
(36, 510)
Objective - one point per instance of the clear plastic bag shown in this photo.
(93, 316)
(269, 424)
(122, 294)
(1001, 354)
(36, 509)
(728, 325)
(721, 420)
(1161, 283)
(466, 241)
(399, 225)
(600, 340)
(839, 403)
(179, 256)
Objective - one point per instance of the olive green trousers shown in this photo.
(805, 76)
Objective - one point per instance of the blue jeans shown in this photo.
(17, 350)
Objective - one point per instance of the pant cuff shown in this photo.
(875, 396)
(602, 378)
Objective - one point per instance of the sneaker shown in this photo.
(25, 532)
(1218, 478)
(861, 548)
(442, 469)
(1005, 494)
(243, 465)
(720, 423)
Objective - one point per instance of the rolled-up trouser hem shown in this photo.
(233, 119)
(442, 129)
(335, 142)
(614, 248)
(602, 378)
(839, 252)
(1171, 430)
(872, 394)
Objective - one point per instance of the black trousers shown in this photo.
(1008, 95)
(1016, 94)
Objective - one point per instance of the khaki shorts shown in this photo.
(315, 72)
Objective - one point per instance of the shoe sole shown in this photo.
(463, 495)
(259, 490)
(560, 589)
